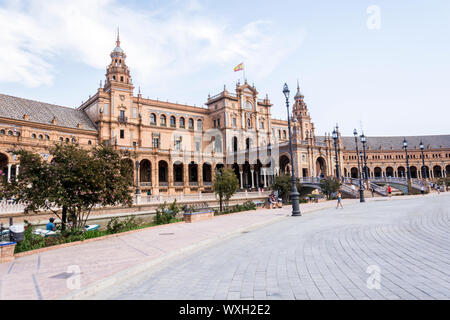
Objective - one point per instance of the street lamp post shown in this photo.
(335, 137)
(361, 189)
(366, 171)
(138, 191)
(408, 172)
(424, 171)
(294, 193)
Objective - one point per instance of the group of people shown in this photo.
(274, 202)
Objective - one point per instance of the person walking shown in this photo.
(422, 190)
(339, 200)
(389, 190)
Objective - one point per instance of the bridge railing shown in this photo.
(415, 183)
(11, 206)
(313, 180)
(347, 189)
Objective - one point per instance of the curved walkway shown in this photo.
(381, 250)
(81, 270)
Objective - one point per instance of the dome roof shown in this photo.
(118, 49)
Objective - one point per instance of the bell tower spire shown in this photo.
(300, 112)
(117, 73)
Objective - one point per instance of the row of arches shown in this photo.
(436, 172)
(173, 122)
(178, 170)
(320, 167)
(8, 171)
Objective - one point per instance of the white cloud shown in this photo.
(174, 40)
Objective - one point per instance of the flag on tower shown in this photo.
(239, 67)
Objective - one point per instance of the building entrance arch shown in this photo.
(321, 167)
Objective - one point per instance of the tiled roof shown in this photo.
(396, 143)
(16, 108)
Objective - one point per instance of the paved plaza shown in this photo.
(264, 254)
(77, 271)
(390, 249)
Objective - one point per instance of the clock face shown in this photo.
(248, 105)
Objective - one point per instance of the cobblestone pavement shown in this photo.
(331, 254)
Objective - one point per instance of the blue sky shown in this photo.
(393, 80)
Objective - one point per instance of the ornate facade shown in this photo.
(175, 148)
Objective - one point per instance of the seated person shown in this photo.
(51, 226)
(280, 203)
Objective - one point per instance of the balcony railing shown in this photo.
(122, 119)
(178, 184)
(146, 184)
(163, 184)
(193, 183)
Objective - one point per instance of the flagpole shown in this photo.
(243, 70)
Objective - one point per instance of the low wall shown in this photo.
(143, 211)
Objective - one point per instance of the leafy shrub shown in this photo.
(115, 225)
(247, 206)
(165, 216)
(30, 241)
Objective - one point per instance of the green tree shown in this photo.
(283, 184)
(225, 185)
(330, 185)
(76, 180)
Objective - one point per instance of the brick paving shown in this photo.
(48, 275)
(324, 255)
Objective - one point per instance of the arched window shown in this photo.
(2, 131)
(67, 140)
(61, 139)
(218, 144)
(173, 122)
(41, 137)
(47, 137)
(199, 125)
(162, 120)
(235, 144)
(153, 119)
(247, 143)
(74, 140)
(89, 142)
(191, 123)
(182, 123)
(10, 133)
(284, 134)
(249, 123)
(33, 135)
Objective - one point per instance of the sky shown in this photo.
(379, 66)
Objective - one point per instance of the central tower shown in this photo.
(117, 73)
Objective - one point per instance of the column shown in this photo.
(170, 175)
(265, 178)
(242, 179)
(200, 175)
(17, 171)
(9, 172)
(186, 175)
(253, 178)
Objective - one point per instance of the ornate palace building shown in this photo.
(176, 148)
